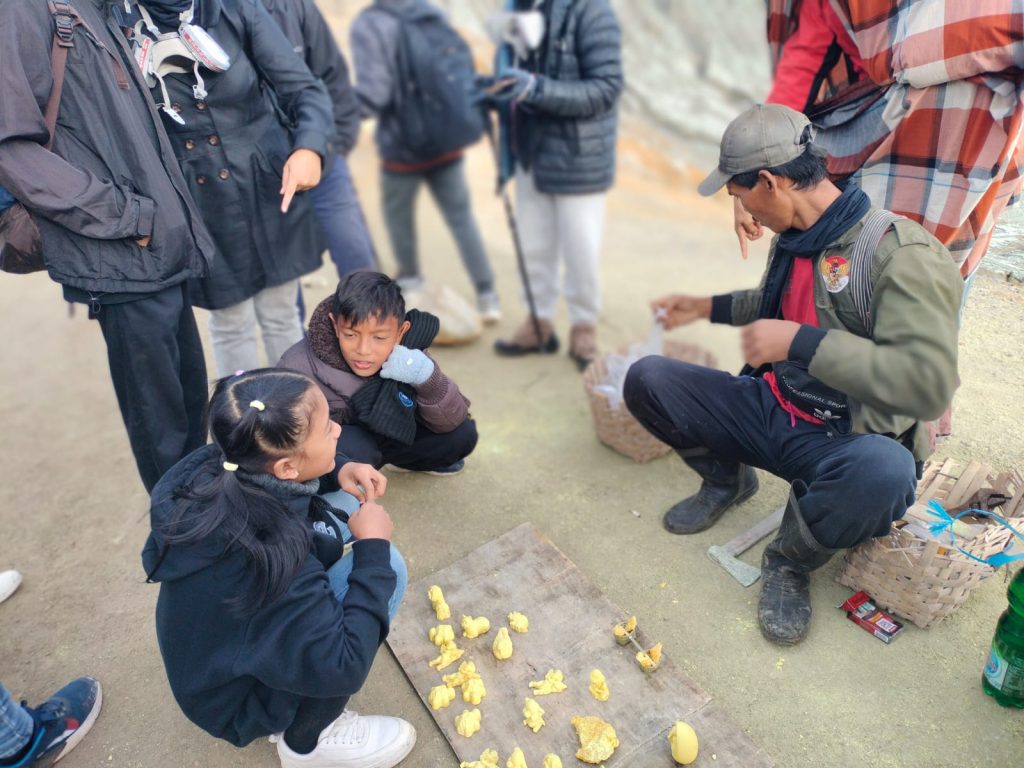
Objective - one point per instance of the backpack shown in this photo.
(21, 247)
(434, 105)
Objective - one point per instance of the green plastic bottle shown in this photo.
(1003, 679)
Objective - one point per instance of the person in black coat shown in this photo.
(120, 231)
(272, 602)
(248, 139)
(558, 103)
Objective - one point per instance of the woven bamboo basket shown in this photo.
(919, 578)
(617, 428)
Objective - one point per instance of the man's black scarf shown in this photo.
(166, 13)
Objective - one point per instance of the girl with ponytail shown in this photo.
(273, 601)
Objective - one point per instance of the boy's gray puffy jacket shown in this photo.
(112, 178)
(572, 116)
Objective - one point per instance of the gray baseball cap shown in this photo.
(765, 136)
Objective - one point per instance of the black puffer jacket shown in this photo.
(567, 128)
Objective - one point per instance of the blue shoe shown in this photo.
(62, 721)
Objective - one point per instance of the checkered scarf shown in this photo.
(940, 139)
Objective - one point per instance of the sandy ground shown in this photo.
(74, 515)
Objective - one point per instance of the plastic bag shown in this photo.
(617, 365)
(460, 322)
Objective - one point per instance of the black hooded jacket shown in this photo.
(239, 678)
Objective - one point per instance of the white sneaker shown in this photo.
(9, 583)
(354, 741)
(488, 306)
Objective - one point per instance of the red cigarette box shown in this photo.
(861, 610)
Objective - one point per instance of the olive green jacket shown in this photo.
(905, 373)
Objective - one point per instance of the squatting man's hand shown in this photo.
(767, 341)
(678, 309)
(371, 521)
(301, 172)
(745, 226)
(362, 481)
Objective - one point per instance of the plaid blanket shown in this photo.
(939, 137)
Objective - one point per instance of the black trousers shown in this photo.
(857, 484)
(159, 375)
(429, 450)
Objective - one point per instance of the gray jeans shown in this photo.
(233, 329)
(448, 186)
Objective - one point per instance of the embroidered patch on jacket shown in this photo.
(835, 271)
(405, 400)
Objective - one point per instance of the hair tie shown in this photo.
(239, 372)
(258, 405)
(230, 466)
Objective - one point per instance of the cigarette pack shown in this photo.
(861, 610)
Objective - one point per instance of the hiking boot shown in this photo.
(61, 722)
(9, 583)
(448, 471)
(784, 609)
(583, 344)
(489, 307)
(724, 485)
(354, 741)
(524, 341)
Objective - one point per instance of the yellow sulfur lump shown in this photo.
(683, 741)
(502, 646)
(551, 760)
(553, 682)
(650, 659)
(597, 739)
(475, 627)
(473, 690)
(468, 722)
(488, 759)
(534, 714)
(441, 609)
(441, 696)
(450, 653)
(517, 759)
(441, 634)
(623, 630)
(517, 622)
(467, 671)
(599, 685)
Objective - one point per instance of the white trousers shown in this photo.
(557, 229)
(233, 329)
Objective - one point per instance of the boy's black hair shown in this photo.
(230, 507)
(804, 171)
(362, 295)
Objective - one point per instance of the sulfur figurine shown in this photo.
(441, 696)
(599, 685)
(441, 609)
(553, 682)
(441, 634)
(450, 653)
(534, 714)
(517, 759)
(597, 739)
(551, 760)
(467, 671)
(473, 690)
(488, 759)
(468, 722)
(517, 622)
(502, 646)
(475, 627)
(683, 741)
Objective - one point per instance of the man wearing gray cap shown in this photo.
(850, 343)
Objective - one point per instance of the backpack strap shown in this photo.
(862, 287)
(65, 19)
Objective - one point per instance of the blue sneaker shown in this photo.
(61, 722)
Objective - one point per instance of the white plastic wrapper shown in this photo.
(618, 365)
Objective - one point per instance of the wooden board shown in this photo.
(570, 630)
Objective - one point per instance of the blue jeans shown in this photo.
(16, 725)
(339, 572)
(858, 484)
(341, 218)
(6, 201)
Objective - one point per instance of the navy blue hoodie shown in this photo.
(239, 678)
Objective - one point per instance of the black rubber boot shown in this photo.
(784, 610)
(725, 485)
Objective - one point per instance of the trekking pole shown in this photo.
(510, 215)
